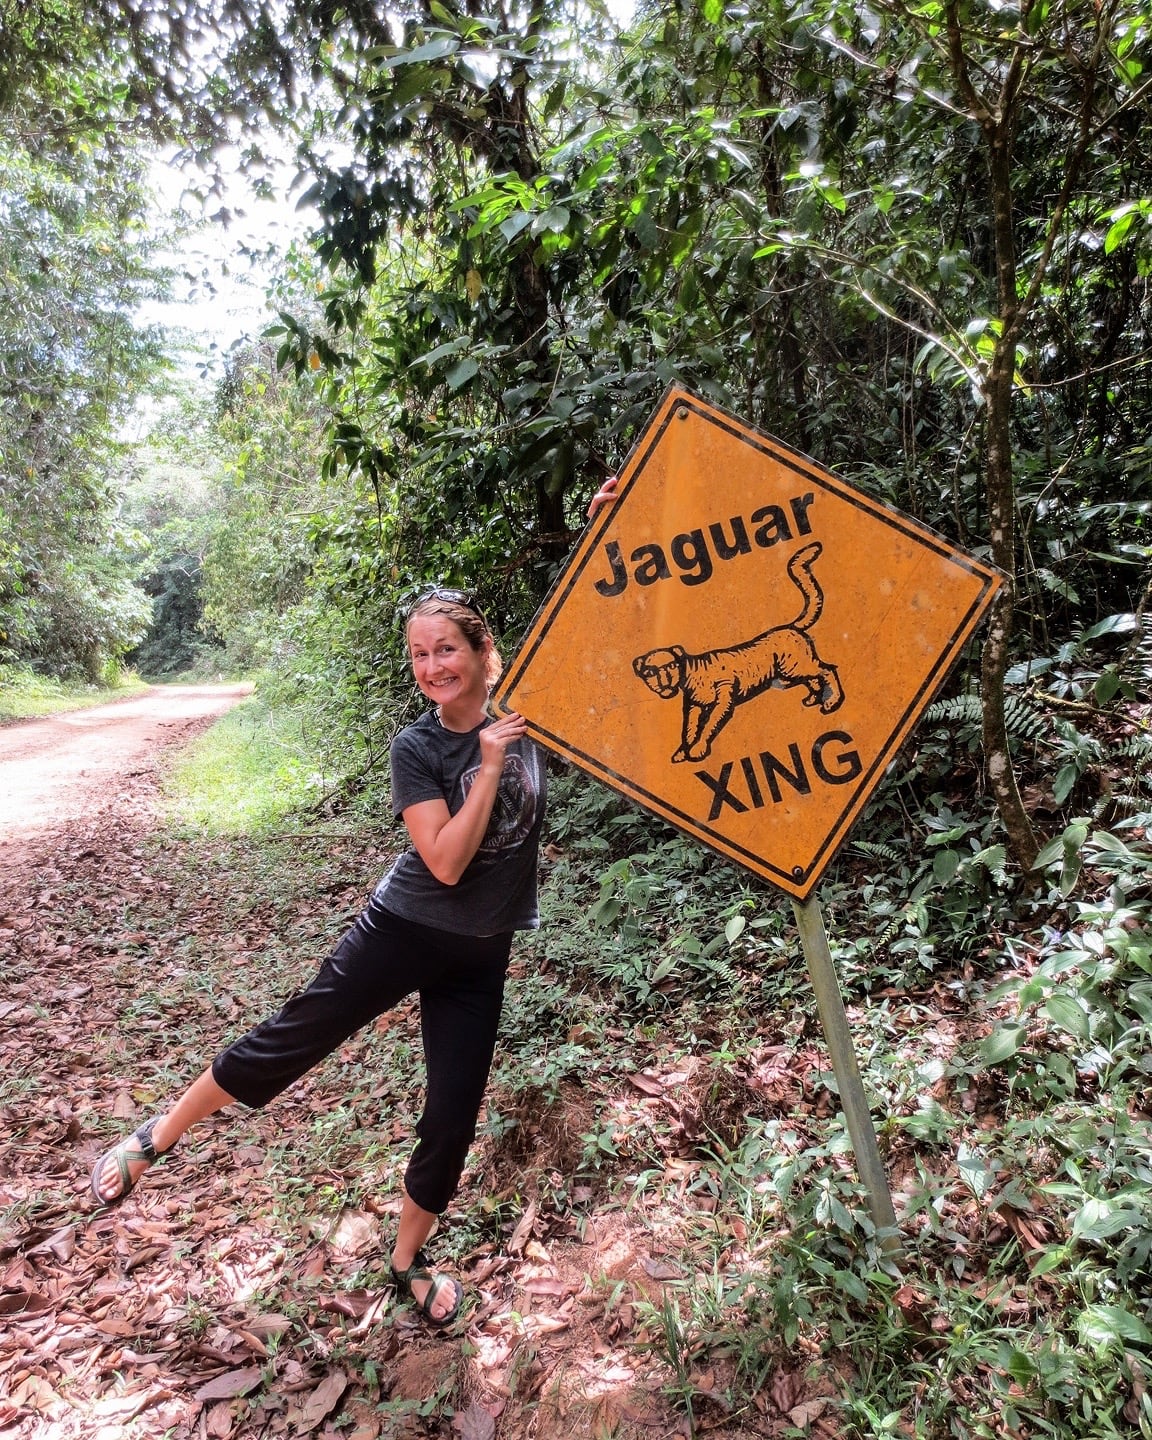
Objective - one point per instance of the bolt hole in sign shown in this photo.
(741, 642)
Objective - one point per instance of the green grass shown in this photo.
(25, 695)
(253, 768)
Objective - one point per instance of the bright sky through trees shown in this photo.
(224, 261)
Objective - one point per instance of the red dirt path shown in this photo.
(68, 768)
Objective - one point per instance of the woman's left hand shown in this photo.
(604, 496)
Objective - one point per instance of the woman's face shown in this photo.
(447, 669)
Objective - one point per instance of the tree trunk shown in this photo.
(1000, 492)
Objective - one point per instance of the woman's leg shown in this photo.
(414, 1228)
(202, 1098)
(459, 1018)
(354, 985)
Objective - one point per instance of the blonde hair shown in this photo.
(471, 625)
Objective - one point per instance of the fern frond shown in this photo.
(1123, 803)
(876, 850)
(953, 710)
(1022, 719)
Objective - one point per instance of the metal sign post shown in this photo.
(833, 1020)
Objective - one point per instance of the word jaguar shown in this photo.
(691, 553)
(711, 685)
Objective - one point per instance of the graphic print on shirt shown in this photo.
(514, 812)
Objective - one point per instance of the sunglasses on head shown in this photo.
(450, 597)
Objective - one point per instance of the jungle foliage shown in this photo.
(910, 237)
(76, 261)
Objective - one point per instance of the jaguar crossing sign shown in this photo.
(741, 642)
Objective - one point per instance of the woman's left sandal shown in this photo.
(136, 1149)
(437, 1284)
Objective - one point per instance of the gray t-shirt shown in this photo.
(497, 891)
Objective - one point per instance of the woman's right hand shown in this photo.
(496, 738)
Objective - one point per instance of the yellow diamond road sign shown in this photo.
(741, 642)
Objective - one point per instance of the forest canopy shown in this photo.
(912, 240)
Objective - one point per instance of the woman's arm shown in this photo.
(446, 842)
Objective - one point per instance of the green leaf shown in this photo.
(1065, 782)
(944, 866)
(461, 373)
(605, 911)
(1068, 1013)
(1118, 231)
(1104, 1325)
(433, 50)
(663, 970)
(1070, 873)
(1002, 1043)
(1106, 687)
(974, 1171)
(1098, 1221)
(734, 928)
(555, 219)
(1121, 624)
(1017, 1363)
(514, 224)
(1049, 854)
(852, 1283)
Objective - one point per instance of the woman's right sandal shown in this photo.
(418, 1272)
(136, 1149)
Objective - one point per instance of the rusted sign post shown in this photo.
(741, 643)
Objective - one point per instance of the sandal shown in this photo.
(137, 1147)
(418, 1271)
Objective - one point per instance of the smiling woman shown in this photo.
(471, 790)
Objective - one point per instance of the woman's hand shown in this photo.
(604, 496)
(446, 842)
(495, 739)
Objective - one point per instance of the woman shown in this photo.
(471, 790)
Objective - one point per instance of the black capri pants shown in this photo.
(382, 959)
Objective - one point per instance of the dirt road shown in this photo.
(66, 768)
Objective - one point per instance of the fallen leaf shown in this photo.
(355, 1232)
(543, 1286)
(313, 1267)
(786, 1389)
(61, 1244)
(475, 1423)
(33, 1393)
(523, 1229)
(661, 1270)
(220, 1420)
(307, 1416)
(24, 1302)
(124, 1107)
(269, 1324)
(229, 1385)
